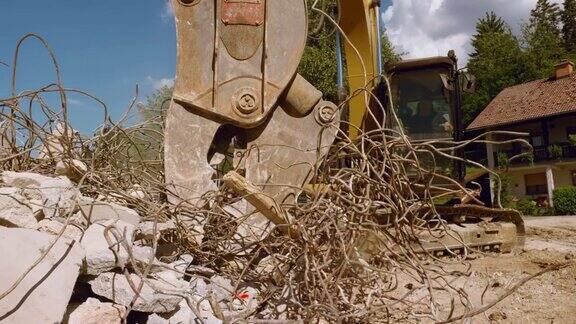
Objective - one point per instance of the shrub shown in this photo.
(555, 151)
(527, 207)
(503, 160)
(565, 200)
(572, 139)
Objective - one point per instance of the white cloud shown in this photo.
(160, 83)
(167, 13)
(433, 27)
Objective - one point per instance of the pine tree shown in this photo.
(569, 25)
(491, 23)
(542, 38)
(546, 14)
(497, 62)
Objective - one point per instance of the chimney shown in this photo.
(563, 69)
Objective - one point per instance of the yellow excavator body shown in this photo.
(358, 21)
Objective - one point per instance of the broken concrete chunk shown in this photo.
(14, 211)
(147, 228)
(54, 227)
(73, 169)
(58, 195)
(77, 219)
(199, 291)
(151, 298)
(37, 206)
(222, 288)
(44, 293)
(101, 257)
(136, 192)
(185, 315)
(54, 145)
(94, 210)
(94, 311)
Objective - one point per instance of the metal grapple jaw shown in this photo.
(237, 93)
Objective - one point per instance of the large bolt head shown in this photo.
(326, 112)
(246, 101)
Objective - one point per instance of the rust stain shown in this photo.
(243, 12)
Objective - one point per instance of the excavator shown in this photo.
(237, 92)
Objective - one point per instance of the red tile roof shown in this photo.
(529, 101)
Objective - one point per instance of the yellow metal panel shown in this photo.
(358, 22)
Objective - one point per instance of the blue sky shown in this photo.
(104, 47)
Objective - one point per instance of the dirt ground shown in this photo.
(550, 298)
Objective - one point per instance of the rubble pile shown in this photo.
(55, 241)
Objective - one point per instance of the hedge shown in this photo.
(565, 201)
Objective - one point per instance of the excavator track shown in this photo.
(485, 228)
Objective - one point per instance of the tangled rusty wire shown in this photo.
(358, 254)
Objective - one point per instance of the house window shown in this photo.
(536, 184)
(537, 140)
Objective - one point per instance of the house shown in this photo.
(546, 111)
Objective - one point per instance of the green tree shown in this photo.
(318, 64)
(542, 38)
(156, 104)
(490, 24)
(389, 52)
(569, 26)
(497, 61)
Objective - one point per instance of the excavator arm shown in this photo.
(359, 22)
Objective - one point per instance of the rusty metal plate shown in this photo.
(228, 73)
(243, 12)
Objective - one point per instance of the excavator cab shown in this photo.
(426, 98)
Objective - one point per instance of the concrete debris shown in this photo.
(203, 310)
(185, 315)
(98, 237)
(73, 169)
(94, 311)
(43, 295)
(102, 257)
(136, 192)
(58, 195)
(150, 300)
(78, 220)
(94, 211)
(54, 227)
(222, 288)
(175, 271)
(147, 228)
(55, 143)
(14, 212)
(182, 264)
(37, 207)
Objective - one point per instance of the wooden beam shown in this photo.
(265, 204)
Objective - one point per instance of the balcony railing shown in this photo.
(569, 151)
(556, 152)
